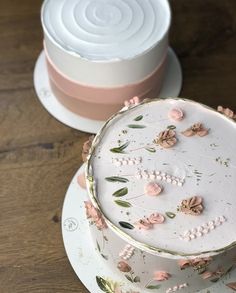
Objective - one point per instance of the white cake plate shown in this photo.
(171, 88)
(84, 259)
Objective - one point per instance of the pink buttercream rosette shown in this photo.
(147, 223)
(152, 189)
(176, 114)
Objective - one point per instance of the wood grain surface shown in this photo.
(39, 155)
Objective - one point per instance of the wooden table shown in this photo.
(39, 155)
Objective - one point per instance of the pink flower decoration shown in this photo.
(201, 261)
(207, 275)
(184, 263)
(196, 129)
(161, 276)
(176, 114)
(132, 102)
(86, 148)
(232, 285)
(95, 215)
(156, 218)
(143, 225)
(227, 112)
(81, 181)
(147, 223)
(123, 266)
(152, 189)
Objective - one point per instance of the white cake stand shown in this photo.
(81, 251)
(171, 88)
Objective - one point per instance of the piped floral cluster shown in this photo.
(203, 229)
(127, 252)
(95, 216)
(126, 161)
(159, 175)
(227, 112)
(176, 288)
(192, 206)
(198, 264)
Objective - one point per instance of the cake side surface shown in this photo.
(160, 179)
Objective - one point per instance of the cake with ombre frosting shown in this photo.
(102, 52)
(161, 182)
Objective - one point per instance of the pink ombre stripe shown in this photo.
(95, 111)
(97, 102)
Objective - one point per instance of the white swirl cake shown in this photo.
(102, 52)
(161, 179)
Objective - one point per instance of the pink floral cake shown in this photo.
(161, 181)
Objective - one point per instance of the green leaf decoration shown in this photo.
(121, 192)
(126, 225)
(120, 149)
(228, 270)
(98, 247)
(137, 279)
(117, 179)
(140, 117)
(151, 150)
(201, 271)
(105, 238)
(104, 285)
(215, 280)
(171, 127)
(170, 215)
(136, 126)
(104, 256)
(90, 178)
(152, 287)
(122, 203)
(129, 278)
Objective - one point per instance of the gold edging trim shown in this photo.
(93, 196)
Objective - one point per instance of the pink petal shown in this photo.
(143, 225)
(232, 286)
(176, 114)
(136, 100)
(207, 275)
(126, 103)
(161, 276)
(183, 263)
(220, 109)
(188, 132)
(152, 189)
(156, 218)
(81, 181)
(202, 132)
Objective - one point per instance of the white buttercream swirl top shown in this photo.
(106, 29)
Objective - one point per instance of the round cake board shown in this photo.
(82, 253)
(171, 88)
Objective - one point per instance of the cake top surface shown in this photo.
(164, 174)
(106, 29)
